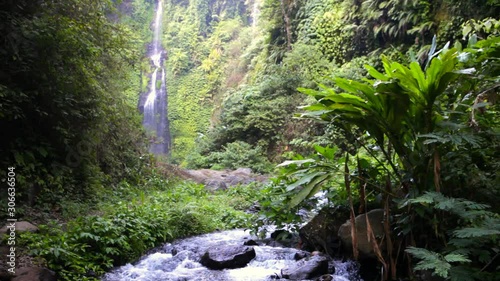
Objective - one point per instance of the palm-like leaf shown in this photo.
(396, 105)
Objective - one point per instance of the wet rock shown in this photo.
(339, 278)
(321, 233)
(254, 209)
(250, 242)
(285, 238)
(301, 255)
(227, 257)
(306, 268)
(281, 234)
(20, 226)
(326, 277)
(375, 217)
(215, 180)
(34, 274)
(272, 243)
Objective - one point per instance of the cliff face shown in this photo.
(205, 42)
(234, 66)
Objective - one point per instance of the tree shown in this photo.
(63, 66)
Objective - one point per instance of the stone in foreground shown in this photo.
(365, 247)
(227, 257)
(306, 268)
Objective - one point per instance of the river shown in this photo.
(180, 261)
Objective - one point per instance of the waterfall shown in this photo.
(255, 14)
(155, 108)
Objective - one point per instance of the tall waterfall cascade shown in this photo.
(155, 107)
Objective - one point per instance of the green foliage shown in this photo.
(204, 42)
(333, 38)
(473, 240)
(434, 261)
(66, 100)
(236, 155)
(188, 114)
(275, 210)
(241, 154)
(409, 122)
(139, 220)
(396, 107)
(309, 175)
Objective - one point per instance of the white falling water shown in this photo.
(155, 108)
(255, 13)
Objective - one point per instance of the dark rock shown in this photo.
(306, 268)
(301, 255)
(227, 257)
(326, 277)
(375, 217)
(272, 243)
(275, 276)
(5, 276)
(321, 233)
(281, 234)
(91, 273)
(213, 184)
(369, 269)
(286, 238)
(34, 274)
(250, 243)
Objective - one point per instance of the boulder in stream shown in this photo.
(307, 268)
(321, 233)
(375, 217)
(227, 257)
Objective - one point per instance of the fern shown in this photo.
(454, 138)
(466, 209)
(472, 240)
(456, 258)
(472, 232)
(461, 273)
(440, 264)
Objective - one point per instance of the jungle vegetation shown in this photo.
(387, 103)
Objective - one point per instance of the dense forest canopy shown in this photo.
(69, 85)
(378, 103)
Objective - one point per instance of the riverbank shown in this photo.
(129, 220)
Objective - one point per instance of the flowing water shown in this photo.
(179, 261)
(155, 108)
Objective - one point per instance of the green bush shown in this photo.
(137, 221)
(241, 154)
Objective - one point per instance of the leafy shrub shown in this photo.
(241, 154)
(135, 222)
(472, 246)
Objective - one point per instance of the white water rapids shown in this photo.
(185, 266)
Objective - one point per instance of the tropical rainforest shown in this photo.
(390, 104)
